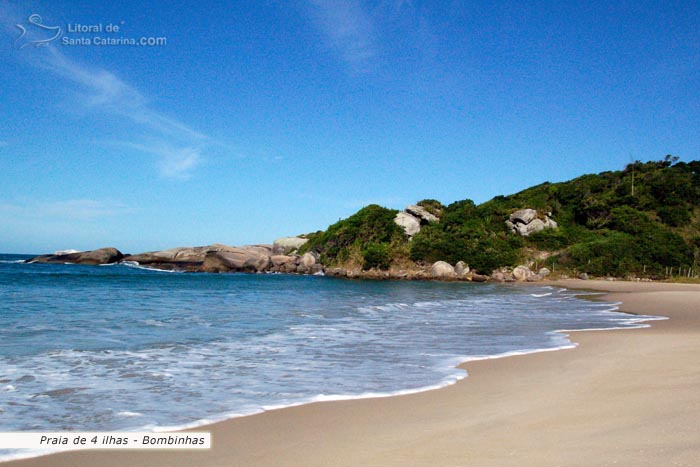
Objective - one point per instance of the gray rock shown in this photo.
(290, 267)
(336, 272)
(100, 256)
(523, 216)
(521, 273)
(583, 276)
(544, 272)
(442, 270)
(409, 223)
(461, 268)
(236, 260)
(498, 276)
(534, 226)
(185, 254)
(285, 245)
(279, 260)
(316, 269)
(525, 221)
(549, 223)
(308, 259)
(422, 214)
(534, 278)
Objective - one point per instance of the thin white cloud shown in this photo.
(349, 30)
(68, 210)
(177, 146)
(172, 161)
(103, 90)
(4, 144)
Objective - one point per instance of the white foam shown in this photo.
(210, 359)
(65, 252)
(136, 265)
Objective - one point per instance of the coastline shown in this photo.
(621, 396)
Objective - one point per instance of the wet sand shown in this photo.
(622, 397)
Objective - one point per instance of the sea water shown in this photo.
(119, 347)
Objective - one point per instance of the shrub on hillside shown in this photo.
(376, 255)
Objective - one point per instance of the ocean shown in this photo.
(119, 347)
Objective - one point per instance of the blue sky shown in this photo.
(257, 120)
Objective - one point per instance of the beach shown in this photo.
(622, 397)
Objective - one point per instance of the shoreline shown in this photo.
(408, 428)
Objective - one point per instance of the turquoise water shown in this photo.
(123, 348)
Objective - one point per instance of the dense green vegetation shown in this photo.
(363, 239)
(641, 221)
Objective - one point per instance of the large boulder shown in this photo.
(521, 273)
(409, 223)
(442, 270)
(179, 255)
(244, 259)
(280, 260)
(422, 214)
(216, 256)
(523, 216)
(308, 259)
(100, 256)
(286, 245)
(461, 268)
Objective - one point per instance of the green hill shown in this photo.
(641, 221)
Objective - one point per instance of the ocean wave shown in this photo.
(203, 348)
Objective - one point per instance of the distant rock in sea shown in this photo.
(101, 256)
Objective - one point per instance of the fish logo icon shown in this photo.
(36, 33)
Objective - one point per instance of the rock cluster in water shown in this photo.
(212, 258)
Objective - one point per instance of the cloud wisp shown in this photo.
(173, 161)
(349, 30)
(177, 148)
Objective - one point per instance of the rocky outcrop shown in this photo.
(286, 245)
(520, 273)
(409, 223)
(183, 258)
(421, 214)
(211, 258)
(527, 221)
(413, 217)
(442, 270)
(308, 264)
(236, 260)
(101, 256)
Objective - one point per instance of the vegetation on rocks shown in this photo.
(364, 238)
(642, 221)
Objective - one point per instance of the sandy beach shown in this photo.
(622, 397)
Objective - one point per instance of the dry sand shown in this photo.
(624, 397)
